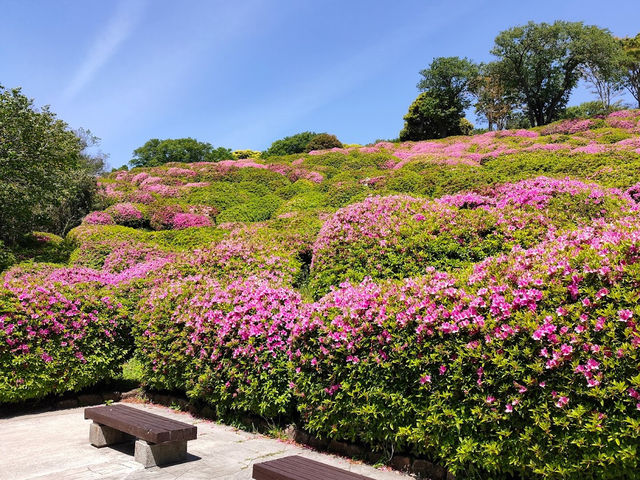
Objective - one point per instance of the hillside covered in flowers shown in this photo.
(472, 300)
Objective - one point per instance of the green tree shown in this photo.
(323, 141)
(602, 68)
(289, 145)
(429, 118)
(42, 166)
(446, 92)
(631, 65)
(157, 152)
(540, 64)
(493, 104)
(450, 80)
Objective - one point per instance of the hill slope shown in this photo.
(472, 300)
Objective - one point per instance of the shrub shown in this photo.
(256, 210)
(323, 141)
(126, 214)
(227, 344)
(188, 220)
(526, 368)
(7, 258)
(162, 218)
(99, 218)
(289, 145)
(56, 338)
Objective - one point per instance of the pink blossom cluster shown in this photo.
(98, 218)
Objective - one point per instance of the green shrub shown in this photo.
(323, 141)
(56, 338)
(7, 258)
(528, 368)
(235, 362)
(256, 210)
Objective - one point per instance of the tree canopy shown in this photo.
(46, 179)
(541, 63)
(301, 143)
(631, 65)
(157, 152)
(446, 92)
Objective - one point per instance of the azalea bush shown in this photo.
(226, 344)
(56, 338)
(529, 366)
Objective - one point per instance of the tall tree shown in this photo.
(631, 65)
(446, 87)
(41, 166)
(429, 118)
(157, 152)
(492, 102)
(540, 63)
(602, 67)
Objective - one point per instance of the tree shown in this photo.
(631, 65)
(492, 103)
(449, 79)
(540, 63)
(323, 141)
(157, 152)
(591, 109)
(41, 165)
(603, 67)
(446, 92)
(429, 118)
(289, 145)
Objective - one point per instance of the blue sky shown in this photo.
(244, 73)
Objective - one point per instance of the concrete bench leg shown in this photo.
(153, 454)
(102, 436)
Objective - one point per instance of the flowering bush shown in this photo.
(531, 368)
(187, 220)
(55, 339)
(126, 214)
(399, 236)
(226, 344)
(99, 218)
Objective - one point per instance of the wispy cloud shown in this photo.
(106, 45)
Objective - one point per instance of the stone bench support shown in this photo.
(103, 436)
(155, 454)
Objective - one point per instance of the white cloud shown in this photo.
(106, 45)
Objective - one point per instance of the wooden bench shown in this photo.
(159, 440)
(300, 468)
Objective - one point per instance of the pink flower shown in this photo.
(625, 315)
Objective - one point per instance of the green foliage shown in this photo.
(84, 340)
(540, 63)
(429, 117)
(256, 210)
(323, 141)
(438, 111)
(288, 145)
(450, 79)
(631, 65)
(590, 109)
(42, 168)
(157, 152)
(7, 258)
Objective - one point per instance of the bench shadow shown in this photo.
(128, 448)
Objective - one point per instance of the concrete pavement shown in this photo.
(55, 445)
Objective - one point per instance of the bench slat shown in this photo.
(296, 467)
(144, 425)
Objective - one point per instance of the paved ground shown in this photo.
(55, 445)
